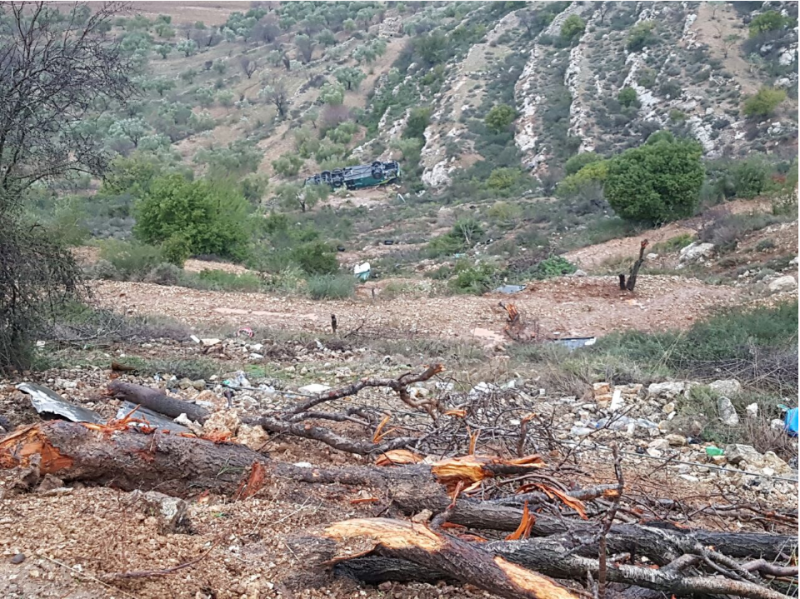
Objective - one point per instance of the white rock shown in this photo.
(668, 408)
(752, 410)
(727, 413)
(211, 341)
(726, 387)
(660, 444)
(784, 283)
(675, 440)
(617, 402)
(255, 356)
(668, 390)
(696, 251)
(737, 453)
(313, 389)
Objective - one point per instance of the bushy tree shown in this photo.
(418, 121)
(763, 103)
(350, 77)
(287, 165)
(305, 45)
(500, 117)
(188, 47)
(771, 20)
(131, 174)
(578, 161)
(332, 95)
(572, 28)
(205, 217)
(277, 94)
(641, 35)
(628, 97)
(657, 182)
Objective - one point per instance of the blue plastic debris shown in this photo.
(791, 422)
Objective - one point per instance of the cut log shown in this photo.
(432, 551)
(157, 401)
(378, 561)
(661, 542)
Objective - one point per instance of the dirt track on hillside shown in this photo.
(563, 307)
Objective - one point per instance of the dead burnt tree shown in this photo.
(634, 273)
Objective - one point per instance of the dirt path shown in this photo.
(715, 22)
(563, 307)
(593, 256)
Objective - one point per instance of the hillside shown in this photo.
(556, 358)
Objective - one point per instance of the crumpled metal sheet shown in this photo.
(509, 289)
(49, 403)
(155, 419)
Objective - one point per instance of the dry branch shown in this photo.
(377, 561)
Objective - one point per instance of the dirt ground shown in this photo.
(594, 255)
(566, 307)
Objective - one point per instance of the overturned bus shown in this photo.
(358, 177)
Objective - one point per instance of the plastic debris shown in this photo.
(509, 289)
(239, 382)
(362, 271)
(49, 405)
(791, 422)
(154, 419)
(714, 451)
(572, 343)
(245, 332)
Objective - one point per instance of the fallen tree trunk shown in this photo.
(184, 466)
(383, 557)
(431, 551)
(154, 400)
(660, 542)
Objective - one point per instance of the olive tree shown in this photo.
(54, 70)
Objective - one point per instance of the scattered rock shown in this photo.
(660, 444)
(50, 482)
(675, 440)
(727, 413)
(168, 511)
(784, 283)
(726, 387)
(422, 517)
(665, 390)
(752, 410)
(668, 408)
(313, 389)
(18, 558)
(696, 252)
(736, 453)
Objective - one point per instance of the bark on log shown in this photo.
(661, 542)
(431, 550)
(184, 466)
(547, 556)
(157, 401)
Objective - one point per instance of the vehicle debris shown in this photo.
(49, 405)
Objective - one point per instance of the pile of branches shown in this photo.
(509, 524)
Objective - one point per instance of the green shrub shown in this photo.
(592, 175)
(176, 249)
(418, 121)
(764, 245)
(500, 117)
(505, 213)
(572, 28)
(164, 274)
(287, 165)
(627, 97)
(578, 161)
(763, 103)
(473, 279)
(212, 218)
(673, 244)
(228, 281)
(767, 21)
(501, 179)
(640, 35)
(657, 182)
(677, 116)
(331, 286)
(315, 258)
(554, 266)
(727, 230)
(131, 260)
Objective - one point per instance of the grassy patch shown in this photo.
(331, 287)
(673, 244)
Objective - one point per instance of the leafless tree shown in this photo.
(56, 68)
(267, 29)
(277, 93)
(248, 66)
